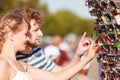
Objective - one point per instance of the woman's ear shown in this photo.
(10, 35)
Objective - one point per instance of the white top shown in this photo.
(22, 76)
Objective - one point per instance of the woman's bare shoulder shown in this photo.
(4, 69)
(3, 64)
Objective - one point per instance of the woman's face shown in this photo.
(20, 38)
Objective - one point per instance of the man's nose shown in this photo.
(40, 33)
(28, 38)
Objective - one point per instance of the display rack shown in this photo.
(107, 32)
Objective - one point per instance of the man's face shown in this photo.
(35, 34)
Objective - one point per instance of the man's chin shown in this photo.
(34, 45)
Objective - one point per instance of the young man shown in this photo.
(37, 57)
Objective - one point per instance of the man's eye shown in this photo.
(35, 30)
(34, 24)
(26, 33)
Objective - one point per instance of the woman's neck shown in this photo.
(8, 51)
(27, 50)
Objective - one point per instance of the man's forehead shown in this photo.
(34, 21)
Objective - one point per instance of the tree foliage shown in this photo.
(62, 22)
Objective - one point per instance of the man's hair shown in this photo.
(30, 13)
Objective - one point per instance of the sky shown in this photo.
(76, 6)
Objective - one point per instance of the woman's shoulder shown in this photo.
(4, 65)
(4, 69)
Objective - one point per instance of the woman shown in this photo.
(13, 38)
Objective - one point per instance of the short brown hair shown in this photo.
(30, 13)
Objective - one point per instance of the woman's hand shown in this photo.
(83, 45)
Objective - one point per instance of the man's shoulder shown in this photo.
(38, 51)
(33, 50)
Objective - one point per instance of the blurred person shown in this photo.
(62, 58)
(52, 52)
(69, 44)
(45, 40)
(83, 74)
(14, 36)
(34, 55)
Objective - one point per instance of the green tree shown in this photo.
(65, 22)
(62, 22)
(7, 5)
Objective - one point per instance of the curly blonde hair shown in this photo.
(30, 13)
(8, 23)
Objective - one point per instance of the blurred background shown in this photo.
(62, 16)
(66, 18)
